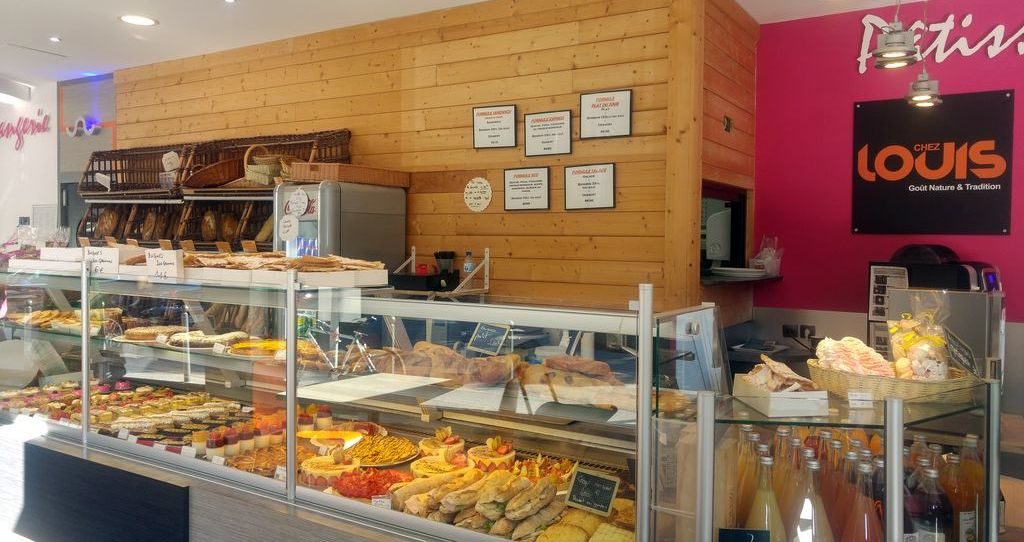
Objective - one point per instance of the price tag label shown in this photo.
(323, 450)
(94, 430)
(219, 348)
(381, 501)
(162, 339)
(188, 451)
(297, 204)
(158, 446)
(281, 473)
(217, 459)
(860, 398)
(247, 409)
(288, 228)
(122, 434)
(164, 264)
(133, 439)
(103, 259)
(171, 161)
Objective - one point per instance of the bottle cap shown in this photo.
(919, 437)
(851, 455)
(809, 453)
(856, 443)
(836, 445)
(906, 450)
(880, 462)
(924, 462)
(813, 464)
(931, 473)
(864, 468)
(953, 458)
(783, 431)
(469, 253)
(935, 448)
(865, 454)
(795, 442)
(756, 437)
(766, 460)
(971, 440)
(826, 434)
(746, 427)
(762, 448)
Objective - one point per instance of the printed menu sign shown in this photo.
(606, 114)
(526, 188)
(494, 127)
(590, 187)
(548, 133)
(938, 170)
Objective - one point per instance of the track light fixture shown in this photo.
(896, 47)
(924, 92)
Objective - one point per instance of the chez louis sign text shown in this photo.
(17, 129)
(947, 38)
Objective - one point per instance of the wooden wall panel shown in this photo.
(405, 88)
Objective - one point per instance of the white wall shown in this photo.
(29, 176)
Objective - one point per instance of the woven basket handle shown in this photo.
(250, 150)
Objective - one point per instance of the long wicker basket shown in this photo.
(957, 389)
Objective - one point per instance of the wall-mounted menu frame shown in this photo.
(606, 114)
(590, 186)
(527, 189)
(548, 133)
(494, 127)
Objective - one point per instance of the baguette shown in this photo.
(463, 499)
(497, 482)
(538, 521)
(421, 485)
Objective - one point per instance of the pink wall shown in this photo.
(807, 82)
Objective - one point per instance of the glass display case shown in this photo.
(755, 469)
(467, 421)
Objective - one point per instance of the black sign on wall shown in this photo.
(938, 170)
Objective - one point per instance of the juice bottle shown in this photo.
(878, 488)
(919, 448)
(824, 447)
(934, 513)
(833, 471)
(780, 443)
(915, 477)
(974, 473)
(747, 482)
(786, 478)
(783, 458)
(862, 523)
(810, 522)
(845, 492)
(965, 526)
(938, 462)
(764, 510)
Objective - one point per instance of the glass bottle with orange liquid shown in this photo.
(862, 524)
(764, 510)
(961, 497)
(845, 492)
(919, 448)
(747, 470)
(786, 472)
(974, 475)
(810, 522)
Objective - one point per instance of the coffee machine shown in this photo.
(971, 292)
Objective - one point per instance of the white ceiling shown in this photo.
(96, 42)
(773, 11)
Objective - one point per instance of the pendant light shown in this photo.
(896, 47)
(924, 91)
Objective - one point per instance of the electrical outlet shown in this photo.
(807, 331)
(790, 331)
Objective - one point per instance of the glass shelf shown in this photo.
(732, 410)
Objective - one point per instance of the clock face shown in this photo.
(477, 194)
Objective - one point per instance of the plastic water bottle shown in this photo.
(468, 266)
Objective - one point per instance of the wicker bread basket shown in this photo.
(264, 166)
(956, 389)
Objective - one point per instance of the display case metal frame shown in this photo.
(290, 297)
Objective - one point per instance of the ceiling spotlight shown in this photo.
(924, 92)
(55, 39)
(138, 20)
(896, 48)
(229, 1)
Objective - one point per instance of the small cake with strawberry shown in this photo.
(305, 423)
(324, 418)
(261, 436)
(322, 471)
(495, 455)
(432, 465)
(442, 440)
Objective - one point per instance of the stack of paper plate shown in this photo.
(738, 272)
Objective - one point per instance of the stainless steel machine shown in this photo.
(346, 219)
(972, 293)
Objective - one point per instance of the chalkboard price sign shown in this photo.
(743, 535)
(488, 339)
(592, 491)
(961, 352)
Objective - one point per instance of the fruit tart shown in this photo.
(495, 455)
(449, 460)
(323, 471)
(442, 440)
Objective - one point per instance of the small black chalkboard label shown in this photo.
(488, 338)
(961, 352)
(592, 491)
(743, 535)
